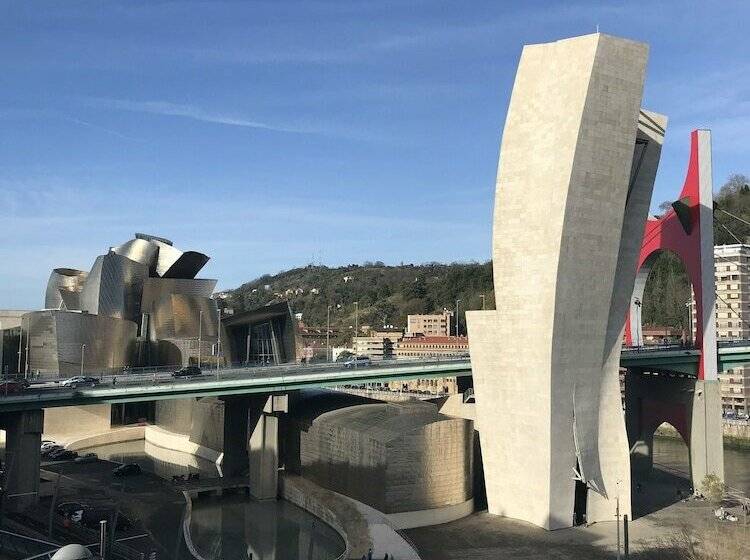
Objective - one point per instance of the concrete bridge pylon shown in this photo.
(577, 164)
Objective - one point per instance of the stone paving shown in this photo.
(488, 537)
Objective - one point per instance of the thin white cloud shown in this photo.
(195, 113)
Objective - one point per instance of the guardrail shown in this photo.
(232, 379)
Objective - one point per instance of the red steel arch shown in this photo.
(687, 230)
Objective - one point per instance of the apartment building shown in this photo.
(732, 269)
(378, 345)
(432, 347)
(429, 325)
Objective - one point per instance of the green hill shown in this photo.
(387, 294)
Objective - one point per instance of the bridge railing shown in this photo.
(658, 347)
(162, 376)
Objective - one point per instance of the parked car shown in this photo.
(62, 455)
(128, 469)
(48, 444)
(72, 510)
(8, 386)
(187, 371)
(74, 382)
(51, 449)
(359, 361)
(87, 458)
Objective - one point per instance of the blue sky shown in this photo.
(270, 134)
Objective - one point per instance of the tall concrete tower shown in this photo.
(577, 163)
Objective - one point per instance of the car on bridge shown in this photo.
(74, 382)
(359, 361)
(187, 371)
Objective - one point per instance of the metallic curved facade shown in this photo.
(179, 315)
(141, 295)
(188, 265)
(58, 338)
(154, 289)
(63, 289)
(139, 250)
(113, 287)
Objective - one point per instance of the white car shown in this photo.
(48, 444)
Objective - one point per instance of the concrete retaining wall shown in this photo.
(69, 423)
(120, 435)
(361, 526)
(165, 439)
(201, 420)
(428, 517)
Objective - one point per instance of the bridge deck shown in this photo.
(237, 381)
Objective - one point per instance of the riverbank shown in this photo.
(736, 434)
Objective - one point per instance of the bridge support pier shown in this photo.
(251, 440)
(23, 437)
(690, 405)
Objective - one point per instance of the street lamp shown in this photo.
(83, 353)
(638, 327)
(20, 346)
(689, 305)
(218, 343)
(617, 517)
(328, 334)
(457, 321)
(28, 332)
(356, 332)
(200, 334)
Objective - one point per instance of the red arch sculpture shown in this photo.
(687, 230)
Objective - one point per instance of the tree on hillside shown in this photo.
(734, 199)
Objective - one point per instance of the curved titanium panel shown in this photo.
(156, 288)
(114, 286)
(187, 266)
(57, 340)
(138, 250)
(67, 280)
(167, 256)
(178, 316)
(149, 237)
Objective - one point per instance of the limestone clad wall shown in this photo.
(391, 458)
(561, 207)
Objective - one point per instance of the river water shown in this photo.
(673, 453)
(234, 526)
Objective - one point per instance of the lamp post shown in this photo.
(638, 327)
(28, 332)
(356, 332)
(689, 306)
(328, 334)
(482, 296)
(218, 343)
(20, 346)
(200, 334)
(617, 518)
(457, 321)
(83, 354)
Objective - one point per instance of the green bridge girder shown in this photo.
(682, 361)
(303, 377)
